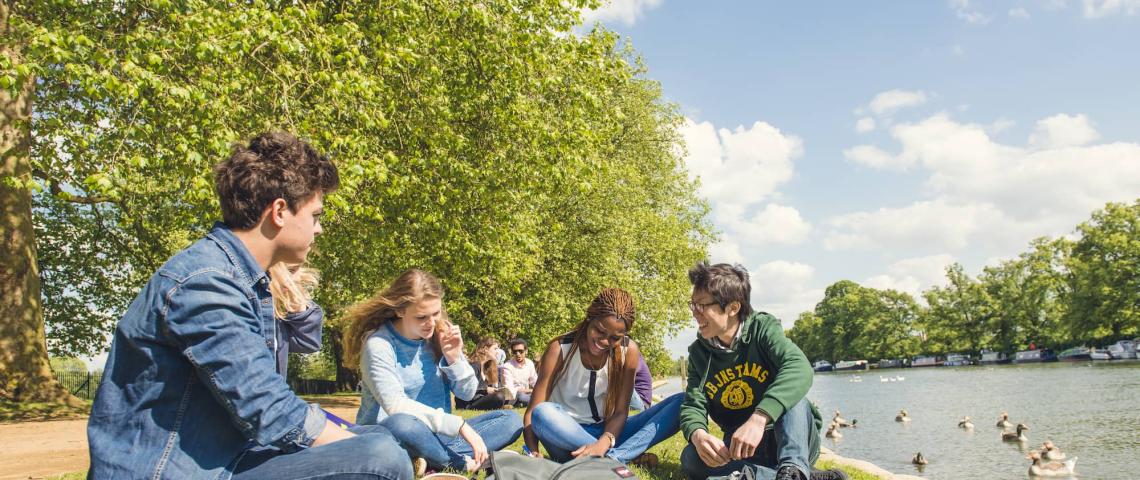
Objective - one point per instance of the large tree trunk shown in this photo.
(25, 375)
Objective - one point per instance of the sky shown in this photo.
(880, 141)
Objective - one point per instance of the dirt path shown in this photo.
(42, 449)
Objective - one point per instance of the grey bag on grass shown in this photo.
(512, 466)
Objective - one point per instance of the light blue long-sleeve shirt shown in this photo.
(401, 375)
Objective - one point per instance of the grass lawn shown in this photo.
(30, 411)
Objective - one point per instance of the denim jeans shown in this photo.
(560, 434)
(793, 437)
(498, 428)
(372, 454)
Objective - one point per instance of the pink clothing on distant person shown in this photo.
(517, 376)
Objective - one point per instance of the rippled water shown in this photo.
(1090, 410)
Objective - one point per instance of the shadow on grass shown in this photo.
(11, 412)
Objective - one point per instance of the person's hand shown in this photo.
(710, 448)
(748, 437)
(598, 448)
(451, 342)
(530, 440)
(478, 448)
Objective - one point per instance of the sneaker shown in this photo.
(788, 472)
(830, 474)
(419, 467)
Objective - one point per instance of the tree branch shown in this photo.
(57, 191)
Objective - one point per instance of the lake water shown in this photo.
(1089, 410)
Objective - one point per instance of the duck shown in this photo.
(833, 431)
(1003, 421)
(839, 420)
(1040, 468)
(1051, 452)
(1019, 436)
(966, 423)
(902, 416)
(918, 459)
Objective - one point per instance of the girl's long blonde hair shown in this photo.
(613, 302)
(487, 361)
(366, 317)
(292, 287)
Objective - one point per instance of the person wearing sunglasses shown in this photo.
(518, 374)
(580, 405)
(745, 374)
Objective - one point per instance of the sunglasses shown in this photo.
(518, 351)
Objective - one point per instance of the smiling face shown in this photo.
(603, 335)
(418, 320)
(712, 320)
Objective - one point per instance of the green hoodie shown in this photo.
(762, 371)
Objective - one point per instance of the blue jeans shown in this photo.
(498, 428)
(560, 434)
(372, 454)
(795, 436)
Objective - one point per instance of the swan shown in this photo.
(1040, 468)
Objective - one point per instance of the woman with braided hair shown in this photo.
(580, 404)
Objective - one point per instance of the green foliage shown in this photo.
(527, 167)
(1059, 293)
(67, 364)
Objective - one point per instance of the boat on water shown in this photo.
(1099, 354)
(1123, 350)
(957, 360)
(925, 361)
(843, 365)
(1034, 356)
(1076, 354)
(990, 357)
(822, 366)
(892, 363)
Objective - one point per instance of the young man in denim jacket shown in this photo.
(190, 389)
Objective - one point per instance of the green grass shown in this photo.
(31, 411)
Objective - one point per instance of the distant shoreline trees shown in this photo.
(1060, 293)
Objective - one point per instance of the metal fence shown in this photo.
(80, 384)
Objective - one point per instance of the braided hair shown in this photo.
(611, 302)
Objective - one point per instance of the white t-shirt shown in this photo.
(581, 391)
(518, 377)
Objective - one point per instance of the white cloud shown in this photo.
(913, 275)
(968, 14)
(872, 156)
(1104, 8)
(864, 125)
(725, 251)
(1063, 130)
(1001, 125)
(624, 11)
(1019, 13)
(775, 224)
(782, 288)
(979, 190)
(889, 101)
(741, 167)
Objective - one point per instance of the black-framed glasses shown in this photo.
(700, 307)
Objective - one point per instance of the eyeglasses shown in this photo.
(518, 351)
(700, 307)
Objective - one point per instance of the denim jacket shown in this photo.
(190, 383)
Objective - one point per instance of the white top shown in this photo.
(518, 377)
(581, 391)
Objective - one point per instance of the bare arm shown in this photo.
(551, 359)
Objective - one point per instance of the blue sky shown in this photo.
(880, 141)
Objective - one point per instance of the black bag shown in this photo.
(512, 466)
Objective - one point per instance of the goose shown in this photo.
(902, 416)
(1051, 452)
(833, 432)
(1019, 436)
(838, 419)
(1003, 421)
(1040, 468)
(918, 459)
(966, 423)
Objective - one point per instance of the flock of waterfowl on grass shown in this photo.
(1048, 461)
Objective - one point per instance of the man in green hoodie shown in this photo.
(746, 375)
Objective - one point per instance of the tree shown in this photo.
(1105, 275)
(958, 315)
(1029, 294)
(526, 167)
(806, 334)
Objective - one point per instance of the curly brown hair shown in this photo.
(273, 165)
